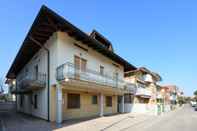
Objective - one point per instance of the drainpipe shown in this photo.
(16, 100)
(48, 72)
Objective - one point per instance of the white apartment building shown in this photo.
(62, 73)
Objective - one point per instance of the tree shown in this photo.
(195, 93)
(1, 85)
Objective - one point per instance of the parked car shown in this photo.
(195, 108)
(193, 103)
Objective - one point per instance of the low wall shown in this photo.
(141, 108)
(167, 108)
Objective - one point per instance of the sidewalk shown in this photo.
(107, 123)
(13, 121)
(120, 122)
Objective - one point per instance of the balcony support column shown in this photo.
(58, 104)
(101, 104)
(122, 104)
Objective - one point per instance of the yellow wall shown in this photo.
(113, 109)
(53, 104)
(87, 109)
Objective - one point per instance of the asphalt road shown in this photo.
(183, 119)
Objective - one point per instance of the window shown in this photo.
(36, 71)
(108, 101)
(80, 65)
(101, 70)
(35, 101)
(73, 101)
(143, 100)
(127, 98)
(21, 100)
(77, 62)
(116, 77)
(31, 98)
(26, 71)
(77, 67)
(94, 100)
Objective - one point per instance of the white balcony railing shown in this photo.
(69, 71)
(143, 91)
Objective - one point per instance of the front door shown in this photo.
(119, 104)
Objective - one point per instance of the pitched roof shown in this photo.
(46, 23)
(99, 37)
(145, 70)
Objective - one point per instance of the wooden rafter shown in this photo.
(51, 22)
(45, 25)
(45, 30)
(42, 34)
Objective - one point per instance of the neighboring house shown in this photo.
(163, 99)
(145, 97)
(160, 99)
(173, 95)
(62, 73)
(11, 89)
(167, 101)
(180, 97)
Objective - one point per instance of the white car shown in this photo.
(193, 103)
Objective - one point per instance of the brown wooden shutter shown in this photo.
(77, 67)
(77, 62)
(73, 101)
(83, 65)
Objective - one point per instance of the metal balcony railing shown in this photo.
(143, 91)
(69, 71)
(12, 88)
(32, 79)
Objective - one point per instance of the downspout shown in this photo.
(16, 101)
(48, 73)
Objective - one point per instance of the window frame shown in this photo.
(128, 98)
(70, 104)
(35, 101)
(102, 70)
(36, 71)
(21, 100)
(94, 99)
(108, 101)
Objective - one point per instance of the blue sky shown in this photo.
(161, 35)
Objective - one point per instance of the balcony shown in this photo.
(12, 89)
(68, 71)
(130, 87)
(31, 81)
(143, 92)
(159, 95)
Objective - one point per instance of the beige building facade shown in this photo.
(62, 73)
(145, 100)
